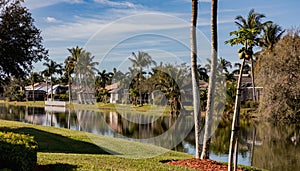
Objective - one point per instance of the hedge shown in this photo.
(17, 151)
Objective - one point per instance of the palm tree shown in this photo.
(103, 78)
(247, 35)
(140, 61)
(253, 21)
(212, 82)
(46, 75)
(53, 68)
(202, 73)
(246, 68)
(70, 64)
(34, 77)
(85, 72)
(272, 34)
(195, 83)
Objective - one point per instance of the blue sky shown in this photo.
(112, 29)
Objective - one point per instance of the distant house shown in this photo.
(247, 88)
(41, 90)
(115, 92)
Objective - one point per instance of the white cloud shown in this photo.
(124, 4)
(50, 20)
(35, 4)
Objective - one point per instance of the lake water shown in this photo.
(270, 145)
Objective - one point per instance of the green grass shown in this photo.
(64, 149)
(69, 149)
(25, 103)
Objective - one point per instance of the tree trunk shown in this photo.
(47, 88)
(33, 92)
(70, 92)
(235, 124)
(51, 89)
(195, 84)
(253, 82)
(212, 81)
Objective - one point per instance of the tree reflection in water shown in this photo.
(269, 145)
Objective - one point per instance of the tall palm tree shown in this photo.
(70, 64)
(85, 72)
(139, 61)
(247, 35)
(272, 34)
(195, 83)
(46, 74)
(34, 77)
(212, 82)
(253, 21)
(53, 68)
(103, 78)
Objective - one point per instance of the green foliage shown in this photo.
(17, 151)
(63, 97)
(102, 95)
(278, 72)
(20, 41)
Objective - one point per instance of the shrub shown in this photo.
(17, 151)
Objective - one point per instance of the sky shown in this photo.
(112, 29)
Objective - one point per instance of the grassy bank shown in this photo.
(67, 149)
(145, 109)
(64, 149)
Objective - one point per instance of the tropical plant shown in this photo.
(34, 77)
(195, 83)
(85, 74)
(53, 68)
(272, 34)
(202, 73)
(103, 78)
(46, 74)
(247, 35)
(139, 61)
(212, 81)
(70, 64)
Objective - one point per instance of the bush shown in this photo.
(17, 151)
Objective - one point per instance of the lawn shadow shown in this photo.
(55, 143)
(55, 167)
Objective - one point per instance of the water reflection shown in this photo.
(269, 145)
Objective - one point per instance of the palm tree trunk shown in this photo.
(253, 82)
(140, 92)
(212, 82)
(51, 89)
(235, 124)
(70, 93)
(47, 88)
(196, 95)
(33, 92)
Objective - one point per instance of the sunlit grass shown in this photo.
(60, 147)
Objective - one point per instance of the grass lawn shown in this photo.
(65, 149)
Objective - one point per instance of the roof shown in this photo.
(43, 86)
(112, 86)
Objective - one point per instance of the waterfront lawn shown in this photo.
(64, 149)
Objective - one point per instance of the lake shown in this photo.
(270, 145)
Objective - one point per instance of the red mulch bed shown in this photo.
(203, 165)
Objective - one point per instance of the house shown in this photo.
(41, 90)
(247, 88)
(115, 92)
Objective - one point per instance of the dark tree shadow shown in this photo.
(55, 143)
